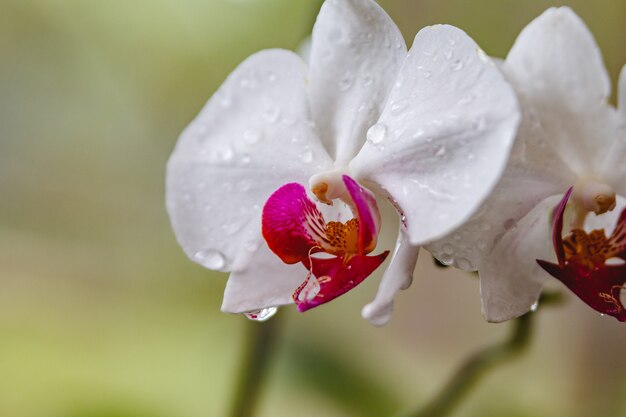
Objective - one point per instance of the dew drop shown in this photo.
(457, 65)
(427, 74)
(271, 114)
(225, 154)
(262, 314)
(399, 106)
(441, 151)
(251, 136)
(446, 259)
(376, 133)
(345, 83)
(452, 42)
(306, 157)
(210, 258)
(447, 54)
(464, 264)
(367, 81)
(251, 246)
(534, 306)
(271, 77)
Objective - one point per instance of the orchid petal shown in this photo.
(356, 52)
(398, 276)
(253, 136)
(511, 279)
(292, 223)
(335, 277)
(268, 282)
(557, 69)
(444, 136)
(367, 212)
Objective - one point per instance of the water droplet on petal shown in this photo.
(427, 74)
(452, 42)
(457, 65)
(271, 77)
(441, 151)
(446, 259)
(464, 264)
(251, 246)
(377, 133)
(251, 136)
(262, 314)
(447, 54)
(534, 307)
(399, 107)
(367, 81)
(210, 258)
(306, 157)
(271, 114)
(345, 83)
(225, 153)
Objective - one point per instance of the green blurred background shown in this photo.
(101, 314)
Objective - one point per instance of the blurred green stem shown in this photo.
(259, 343)
(478, 364)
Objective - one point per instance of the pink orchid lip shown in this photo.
(295, 230)
(584, 271)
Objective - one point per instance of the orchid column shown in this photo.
(278, 179)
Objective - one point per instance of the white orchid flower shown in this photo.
(570, 136)
(252, 181)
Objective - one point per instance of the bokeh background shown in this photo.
(101, 314)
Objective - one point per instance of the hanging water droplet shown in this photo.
(534, 307)
(441, 151)
(446, 259)
(457, 65)
(261, 315)
(376, 133)
(210, 258)
(251, 136)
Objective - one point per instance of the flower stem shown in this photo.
(258, 346)
(478, 364)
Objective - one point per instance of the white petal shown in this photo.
(398, 276)
(355, 55)
(253, 136)
(511, 279)
(444, 136)
(533, 173)
(268, 282)
(557, 69)
(613, 168)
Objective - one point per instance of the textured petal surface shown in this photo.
(336, 277)
(398, 276)
(444, 136)
(253, 136)
(356, 52)
(510, 278)
(557, 69)
(269, 282)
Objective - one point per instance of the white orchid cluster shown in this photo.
(278, 179)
